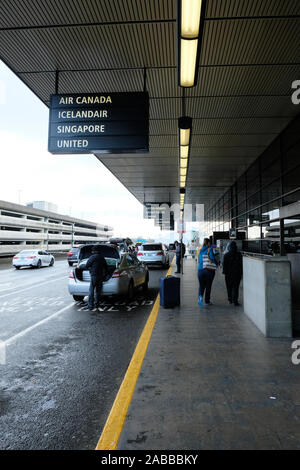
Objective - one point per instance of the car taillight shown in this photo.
(16, 257)
(70, 253)
(71, 275)
(118, 274)
(139, 254)
(159, 253)
(30, 257)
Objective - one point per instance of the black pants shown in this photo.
(178, 262)
(95, 291)
(206, 277)
(232, 286)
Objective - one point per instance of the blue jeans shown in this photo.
(95, 292)
(206, 277)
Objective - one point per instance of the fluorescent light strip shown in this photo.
(188, 55)
(184, 136)
(190, 18)
(184, 151)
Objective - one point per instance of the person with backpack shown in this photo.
(206, 271)
(233, 270)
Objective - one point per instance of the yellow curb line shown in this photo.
(115, 421)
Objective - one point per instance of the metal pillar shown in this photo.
(282, 249)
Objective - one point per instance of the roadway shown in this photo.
(63, 364)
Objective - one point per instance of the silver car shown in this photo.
(154, 253)
(126, 273)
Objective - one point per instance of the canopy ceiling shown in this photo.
(249, 59)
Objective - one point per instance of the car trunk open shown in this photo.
(111, 255)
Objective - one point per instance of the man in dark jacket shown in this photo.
(97, 266)
(233, 270)
(180, 252)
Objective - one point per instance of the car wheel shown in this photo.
(146, 283)
(130, 292)
(52, 262)
(17, 267)
(70, 264)
(78, 298)
(39, 264)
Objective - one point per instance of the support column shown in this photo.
(282, 249)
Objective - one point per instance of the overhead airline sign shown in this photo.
(99, 123)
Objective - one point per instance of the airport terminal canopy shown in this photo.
(242, 101)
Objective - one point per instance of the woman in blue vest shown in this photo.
(206, 271)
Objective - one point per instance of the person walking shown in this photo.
(98, 268)
(180, 252)
(233, 270)
(206, 271)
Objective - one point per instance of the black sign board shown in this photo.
(99, 123)
(232, 233)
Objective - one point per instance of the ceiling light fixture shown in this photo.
(185, 132)
(190, 20)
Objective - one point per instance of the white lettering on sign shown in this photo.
(80, 129)
(85, 100)
(99, 113)
(63, 144)
(66, 100)
(93, 99)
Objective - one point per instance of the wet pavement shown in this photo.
(211, 380)
(64, 365)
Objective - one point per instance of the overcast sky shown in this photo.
(79, 184)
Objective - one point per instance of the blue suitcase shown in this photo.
(169, 291)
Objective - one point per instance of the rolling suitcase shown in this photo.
(169, 291)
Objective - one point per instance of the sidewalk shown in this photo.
(211, 380)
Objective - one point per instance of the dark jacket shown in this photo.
(178, 249)
(97, 266)
(232, 263)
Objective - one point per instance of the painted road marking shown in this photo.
(13, 274)
(9, 341)
(19, 304)
(117, 306)
(17, 291)
(15, 282)
(116, 419)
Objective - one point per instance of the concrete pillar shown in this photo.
(267, 295)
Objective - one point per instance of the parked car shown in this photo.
(73, 255)
(126, 273)
(33, 258)
(153, 253)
